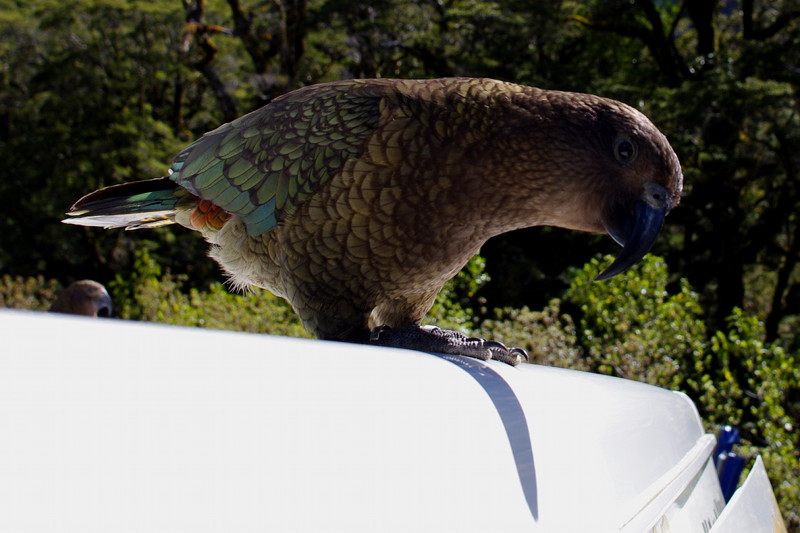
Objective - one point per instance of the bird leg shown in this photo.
(433, 339)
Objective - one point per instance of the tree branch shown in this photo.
(663, 51)
(789, 261)
(195, 27)
(749, 31)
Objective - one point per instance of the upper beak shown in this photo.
(637, 234)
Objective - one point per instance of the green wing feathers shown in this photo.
(263, 165)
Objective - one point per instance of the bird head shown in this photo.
(627, 177)
(85, 297)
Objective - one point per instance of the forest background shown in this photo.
(94, 93)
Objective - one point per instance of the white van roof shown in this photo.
(117, 426)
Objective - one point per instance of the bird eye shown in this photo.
(625, 150)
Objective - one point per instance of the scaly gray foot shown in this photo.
(433, 339)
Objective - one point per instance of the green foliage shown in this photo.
(755, 386)
(34, 293)
(549, 336)
(144, 293)
(452, 308)
(87, 95)
(632, 327)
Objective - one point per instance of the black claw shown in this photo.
(375, 334)
(493, 344)
(521, 353)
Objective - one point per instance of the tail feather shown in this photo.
(135, 205)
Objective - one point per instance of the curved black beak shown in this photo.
(636, 235)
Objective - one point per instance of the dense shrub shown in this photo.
(33, 293)
(145, 293)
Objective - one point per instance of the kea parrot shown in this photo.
(357, 200)
(85, 297)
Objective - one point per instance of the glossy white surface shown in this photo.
(116, 426)
(752, 507)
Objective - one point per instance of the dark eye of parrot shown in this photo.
(625, 150)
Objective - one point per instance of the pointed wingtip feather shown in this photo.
(152, 219)
(135, 205)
